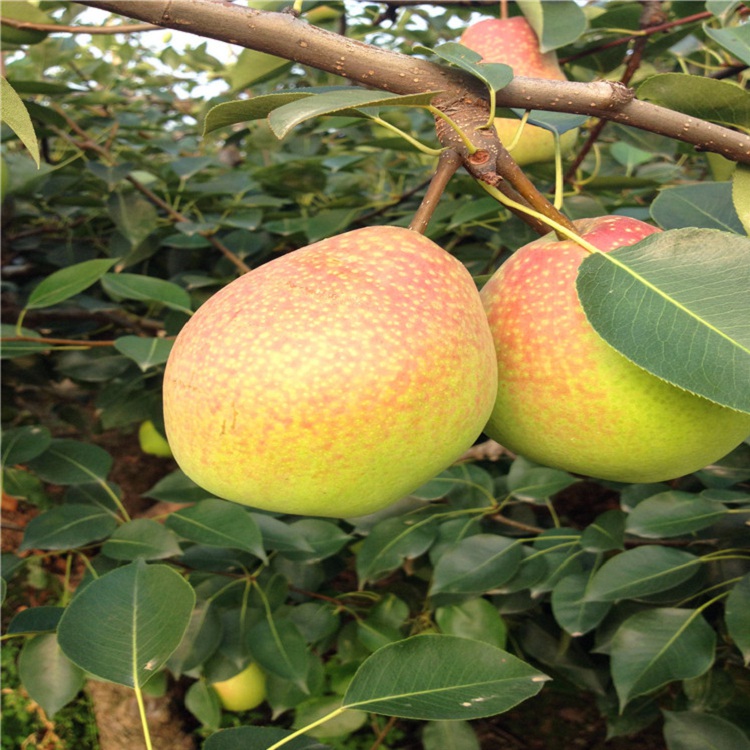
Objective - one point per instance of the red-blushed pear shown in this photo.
(569, 400)
(243, 692)
(512, 41)
(334, 380)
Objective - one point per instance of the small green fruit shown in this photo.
(152, 441)
(243, 692)
(22, 11)
(569, 400)
(512, 41)
(334, 380)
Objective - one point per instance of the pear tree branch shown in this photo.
(284, 35)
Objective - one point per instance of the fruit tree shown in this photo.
(377, 374)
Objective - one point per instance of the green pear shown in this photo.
(512, 41)
(152, 441)
(243, 692)
(334, 380)
(569, 400)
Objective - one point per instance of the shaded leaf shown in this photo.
(673, 514)
(456, 735)
(35, 620)
(258, 738)
(642, 571)
(141, 538)
(49, 677)
(605, 533)
(693, 730)
(737, 616)
(218, 523)
(707, 204)
(145, 352)
(67, 527)
(658, 646)
(574, 612)
(21, 444)
(474, 618)
(72, 462)
(741, 194)
(278, 646)
(477, 564)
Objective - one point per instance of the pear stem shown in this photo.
(448, 163)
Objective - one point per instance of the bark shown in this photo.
(286, 36)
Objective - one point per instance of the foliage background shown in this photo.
(163, 217)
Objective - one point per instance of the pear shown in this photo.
(569, 400)
(243, 692)
(512, 41)
(334, 380)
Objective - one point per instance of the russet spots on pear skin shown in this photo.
(336, 360)
(568, 399)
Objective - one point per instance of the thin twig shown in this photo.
(448, 164)
(53, 28)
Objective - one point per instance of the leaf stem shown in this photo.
(307, 728)
(410, 139)
(142, 713)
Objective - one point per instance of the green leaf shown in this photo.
(556, 24)
(463, 479)
(741, 194)
(177, 488)
(67, 282)
(258, 738)
(141, 538)
(146, 288)
(699, 96)
(673, 514)
(456, 735)
(605, 533)
(340, 725)
(68, 527)
(384, 622)
(203, 702)
(477, 564)
(474, 618)
(573, 611)
(201, 639)
(286, 117)
(49, 677)
(706, 204)
(495, 75)
(325, 538)
(124, 625)
(16, 117)
(253, 67)
(218, 523)
(737, 616)
(133, 215)
(658, 646)
(734, 39)
(35, 620)
(278, 646)
(72, 462)
(693, 730)
(21, 444)
(145, 352)
(536, 484)
(390, 543)
(640, 572)
(695, 304)
(441, 677)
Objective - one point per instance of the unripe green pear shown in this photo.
(152, 441)
(243, 692)
(512, 41)
(334, 380)
(569, 400)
